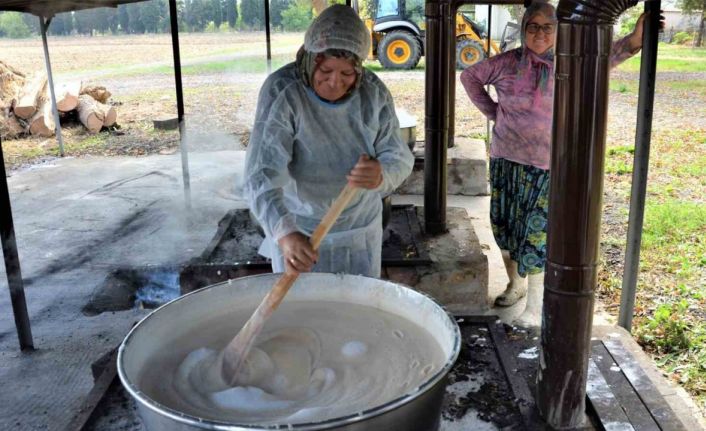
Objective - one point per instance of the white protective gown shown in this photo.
(301, 149)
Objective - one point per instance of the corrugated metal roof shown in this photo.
(48, 8)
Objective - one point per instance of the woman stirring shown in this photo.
(323, 121)
(521, 145)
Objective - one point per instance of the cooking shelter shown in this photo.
(585, 32)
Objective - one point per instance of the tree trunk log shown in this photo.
(90, 113)
(99, 93)
(42, 123)
(110, 115)
(67, 96)
(10, 127)
(11, 81)
(31, 96)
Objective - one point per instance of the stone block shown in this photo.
(467, 170)
(458, 276)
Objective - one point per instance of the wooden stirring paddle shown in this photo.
(237, 350)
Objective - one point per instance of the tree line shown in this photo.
(153, 17)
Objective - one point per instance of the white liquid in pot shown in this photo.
(313, 361)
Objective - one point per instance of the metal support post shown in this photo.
(44, 26)
(267, 36)
(643, 135)
(180, 102)
(12, 263)
(487, 87)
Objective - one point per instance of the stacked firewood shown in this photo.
(25, 104)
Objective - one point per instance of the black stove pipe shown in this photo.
(582, 65)
(440, 76)
(439, 33)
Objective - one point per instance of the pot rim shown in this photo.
(211, 424)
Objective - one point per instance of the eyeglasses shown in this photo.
(533, 28)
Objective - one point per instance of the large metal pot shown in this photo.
(418, 410)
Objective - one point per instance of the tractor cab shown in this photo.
(408, 13)
(398, 33)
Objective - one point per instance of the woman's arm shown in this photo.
(631, 44)
(266, 164)
(394, 156)
(474, 80)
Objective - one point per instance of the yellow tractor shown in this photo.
(471, 42)
(397, 30)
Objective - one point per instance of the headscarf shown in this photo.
(529, 60)
(338, 32)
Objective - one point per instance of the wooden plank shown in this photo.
(620, 386)
(525, 399)
(646, 390)
(402, 240)
(415, 227)
(603, 402)
(95, 395)
(224, 225)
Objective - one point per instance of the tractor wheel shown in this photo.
(468, 52)
(399, 50)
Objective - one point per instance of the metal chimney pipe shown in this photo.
(582, 65)
(436, 120)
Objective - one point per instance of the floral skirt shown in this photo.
(518, 212)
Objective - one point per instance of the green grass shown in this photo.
(694, 87)
(674, 327)
(624, 86)
(621, 149)
(670, 312)
(255, 64)
(619, 160)
(83, 144)
(672, 58)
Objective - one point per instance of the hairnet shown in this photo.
(537, 6)
(338, 27)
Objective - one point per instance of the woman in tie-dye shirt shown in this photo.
(520, 148)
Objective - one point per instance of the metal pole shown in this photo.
(436, 120)
(44, 25)
(450, 140)
(643, 135)
(180, 102)
(487, 87)
(267, 36)
(12, 263)
(573, 231)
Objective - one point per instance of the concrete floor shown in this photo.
(76, 220)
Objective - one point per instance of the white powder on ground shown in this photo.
(462, 388)
(531, 353)
(469, 422)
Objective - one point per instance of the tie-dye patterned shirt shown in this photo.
(523, 112)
